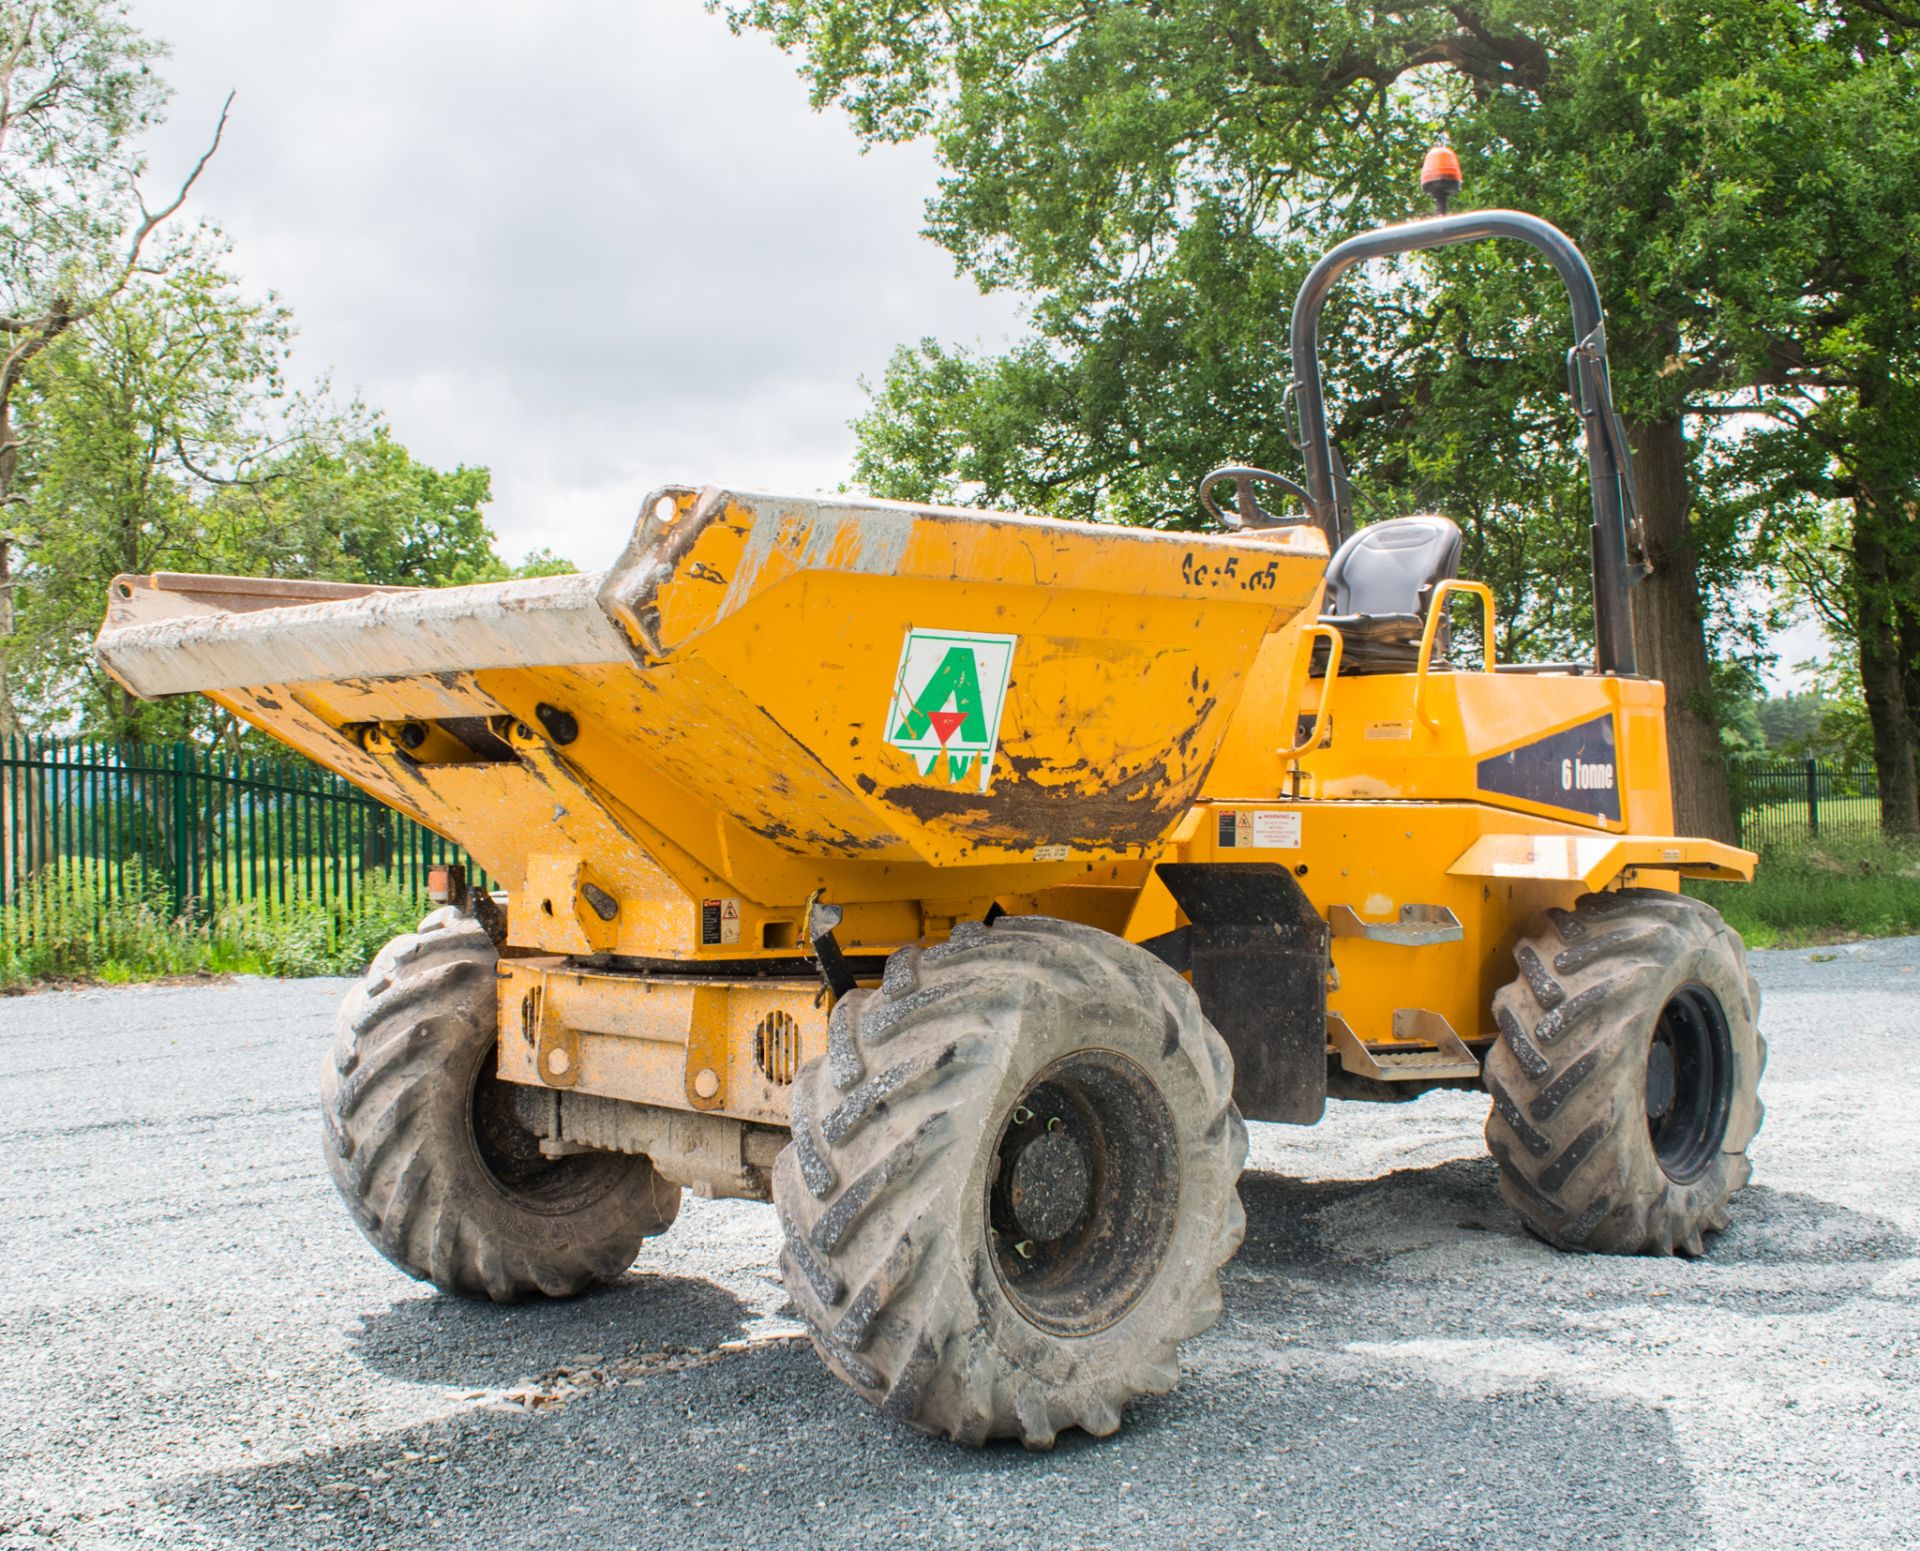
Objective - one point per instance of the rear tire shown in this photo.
(1625, 1079)
(424, 1143)
(1012, 1181)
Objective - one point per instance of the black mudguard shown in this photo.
(1257, 950)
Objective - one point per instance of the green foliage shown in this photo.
(74, 99)
(350, 503)
(1156, 178)
(77, 88)
(145, 418)
(1828, 722)
(305, 934)
(161, 436)
(66, 926)
(539, 562)
(1824, 891)
(1789, 724)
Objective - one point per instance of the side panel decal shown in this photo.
(1573, 769)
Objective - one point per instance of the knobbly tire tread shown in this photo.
(881, 1192)
(1567, 1073)
(409, 1044)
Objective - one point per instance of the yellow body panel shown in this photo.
(664, 765)
(730, 692)
(714, 1046)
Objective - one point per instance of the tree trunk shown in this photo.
(1883, 672)
(9, 467)
(9, 722)
(1906, 644)
(1669, 636)
(1885, 577)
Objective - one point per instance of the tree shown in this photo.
(346, 501)
(163, 437)
(76, 89)
(1155, 174)
(1839, 460)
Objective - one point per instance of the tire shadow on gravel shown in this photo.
(431, 1338)
(765, 1448)
(1302, 1226)
(1339, 1232)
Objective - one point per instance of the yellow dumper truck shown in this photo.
(959, 882)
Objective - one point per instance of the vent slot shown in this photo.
(776, 1048)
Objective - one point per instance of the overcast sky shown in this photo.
(595, 245)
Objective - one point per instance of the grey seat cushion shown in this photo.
(1379, 583)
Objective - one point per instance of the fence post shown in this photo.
(1813, 798)
(178, 853)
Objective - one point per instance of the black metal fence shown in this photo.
(1785, 800)
(196, 828)
(91, 823)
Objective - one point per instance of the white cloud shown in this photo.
(595, 244)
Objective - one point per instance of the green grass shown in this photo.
(1829, 890)
(59, 929)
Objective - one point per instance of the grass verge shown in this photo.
(1816, 891)
(59, 930)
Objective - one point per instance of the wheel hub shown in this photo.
(511, 1153)
(1660, 1081)
(1083, 1192)
(1051, 1184)
(1689, 1083)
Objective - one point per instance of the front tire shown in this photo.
(1625, 1079)
(424, 1143)
(1012, 1182)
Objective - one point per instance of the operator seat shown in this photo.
(1379, 584)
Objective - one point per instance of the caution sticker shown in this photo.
(1260, 830)
(719, 922)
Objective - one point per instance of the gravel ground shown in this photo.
(197, 1348)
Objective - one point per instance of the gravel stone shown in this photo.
(198, 1350)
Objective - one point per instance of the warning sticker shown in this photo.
(719, 922)
(947, 699)
(1263, 831)
(1276, 831)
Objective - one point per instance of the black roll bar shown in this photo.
(1608, 462)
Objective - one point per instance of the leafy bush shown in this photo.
(71, 923)
(304, 934)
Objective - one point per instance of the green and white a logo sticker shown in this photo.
(947, 699)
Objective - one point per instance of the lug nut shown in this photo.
(1024, 1249)
(1021, 1114)
(1054, 1123)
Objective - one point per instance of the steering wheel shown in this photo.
(1247, 511)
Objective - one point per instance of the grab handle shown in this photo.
(1331, 636)
(1436, 617)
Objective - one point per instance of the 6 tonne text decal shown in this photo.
(1573, 769)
